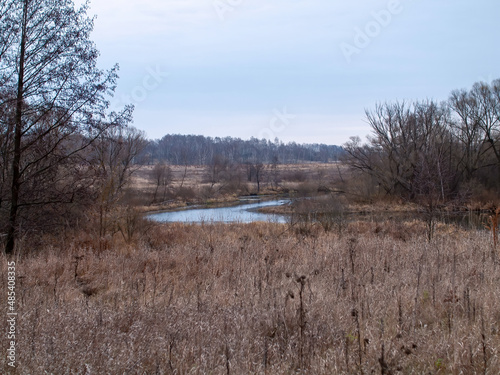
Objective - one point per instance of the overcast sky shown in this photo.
(299, 70)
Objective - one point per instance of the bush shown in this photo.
(185, 193)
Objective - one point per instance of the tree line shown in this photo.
(179, 149)
(432, 152)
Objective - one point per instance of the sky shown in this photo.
(297, 70)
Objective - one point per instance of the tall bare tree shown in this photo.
(161, 174)
(476, 126)
(216, 171)
(465, 128)
(115, 155)
(404, 138)
(54, 100)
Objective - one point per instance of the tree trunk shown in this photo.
(16, 161)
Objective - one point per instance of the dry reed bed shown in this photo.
(258, 298)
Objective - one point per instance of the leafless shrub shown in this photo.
(294, 176)
(185, 193)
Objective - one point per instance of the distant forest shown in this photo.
(179, 149)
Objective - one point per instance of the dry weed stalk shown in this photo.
(492, 225)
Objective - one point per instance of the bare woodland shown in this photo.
(424, 149)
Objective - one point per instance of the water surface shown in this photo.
(243, 213)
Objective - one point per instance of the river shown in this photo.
(245, 212)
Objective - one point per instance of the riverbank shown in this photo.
(216, 203)
(334, 209)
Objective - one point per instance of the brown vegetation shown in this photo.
(197, 184)
(260, 298)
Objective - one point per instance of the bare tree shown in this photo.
(274, 173)
(467, 131)
(115, 159)
(9, 30)
(54, 95)
(487, 114)
(216, 171)
(434, 183)
(402, 135)
(162, 176)
(476, 126)
(259, 170)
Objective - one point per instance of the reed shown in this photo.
(260, 299)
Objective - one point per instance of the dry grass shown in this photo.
(189, 184)
(259, 298)
(192, 175)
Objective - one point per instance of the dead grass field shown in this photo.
(193, 175)
(260, 299)
(189, 184)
